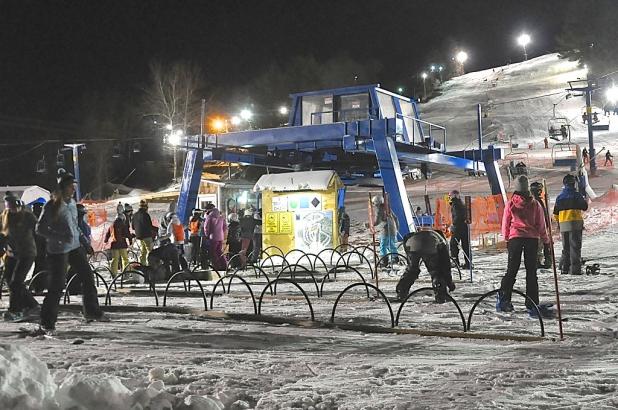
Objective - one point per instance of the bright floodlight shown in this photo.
(424, 75)
(523, 40)
(400, 90)
(612, 94)
(283, 110)
(169, 127)
(440, 68)
(432, 68)
(174, 138)
(218, 124)
(235, 120)
(461, 57)
(179, 133)
(245, 114)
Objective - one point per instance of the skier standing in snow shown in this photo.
(233, 241)
(568, 211)
(17, 242)
(344, 229)
(459, 229)
(58, 224)
(247, 228)
(609, 158)
(195, 226)
(523, 224)
(544, 259)
(257, 236)
(429, 246)
(142, 225)
(385, 225)
(215, 228)
(119, 235)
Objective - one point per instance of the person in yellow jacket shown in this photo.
(568, 211)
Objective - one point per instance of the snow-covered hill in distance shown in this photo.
(517, 99)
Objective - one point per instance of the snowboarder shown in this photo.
(58, 224)
(459, 229)
(568, 211)
(17, 243)
(142, 226)
(386, 225)
(195, 226)
(544, 259)
(344, 229)
(233, 241)
(215, 228)
(523, 224)
(609, 159)
(429, 246)
(119, 234)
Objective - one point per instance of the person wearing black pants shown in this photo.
(459, 229)
(59, 226)
(523, 223)
(17, 241)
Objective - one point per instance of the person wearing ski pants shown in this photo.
(459, 229)
(385, 224)
(17, 242)
(429, 246)
(523, 223)
(58, 225)
(568, 211)
(544, 259)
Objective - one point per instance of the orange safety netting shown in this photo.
(486, 215)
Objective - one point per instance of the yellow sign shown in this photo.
(271, 223)
(285, 222)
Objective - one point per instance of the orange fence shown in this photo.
(486, 215)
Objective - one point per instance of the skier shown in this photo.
(163, 261)
(459, 229)
(195, 226)
(17, 242)
(58, 224)
(247, 228)
(544, 259)
(344, 229)
(568, 211)
(257, 235)
(585, 157)
(429, 246)
(523, 224)
(215, 228)
(176, 233)
(386, 226)
(119, 235)
(205, 243)
(233, 241)
(142, 226)
(609, 158)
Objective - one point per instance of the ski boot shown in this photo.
(546, 312)
(503, 305)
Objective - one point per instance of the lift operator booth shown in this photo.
(359, 132)
(300, 210)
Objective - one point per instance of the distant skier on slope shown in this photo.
(431, 247)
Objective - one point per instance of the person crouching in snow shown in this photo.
(431, 247)
(523, 224)
(119, 235)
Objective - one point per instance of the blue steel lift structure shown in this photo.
(359, 131)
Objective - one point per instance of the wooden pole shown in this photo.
(553, 256)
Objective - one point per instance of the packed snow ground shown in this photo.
(255, 365)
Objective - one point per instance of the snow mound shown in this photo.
(25, 381)
(93, 392)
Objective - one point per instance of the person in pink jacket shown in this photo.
(523, 224)
(215, 228)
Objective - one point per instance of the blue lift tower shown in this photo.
(359, 131)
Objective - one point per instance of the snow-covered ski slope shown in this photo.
(508, 95)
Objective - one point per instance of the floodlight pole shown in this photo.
(591, 150)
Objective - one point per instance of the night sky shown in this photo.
(53, 52)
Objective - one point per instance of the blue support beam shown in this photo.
(189, 188)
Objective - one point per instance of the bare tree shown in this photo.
(173, 95)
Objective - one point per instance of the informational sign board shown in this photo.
(313, 230)
(271, 223)
(285, 222)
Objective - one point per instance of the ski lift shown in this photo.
(559, 128)
(137, 147)
(517, 165)
(116, 151)
(41, 166)
(564, 154)
(60, 160)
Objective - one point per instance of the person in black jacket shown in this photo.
(247, 227)
(544, 259)
(142, 225)
(429, 246)
(233, 239)
(459, 229)
(344, 229)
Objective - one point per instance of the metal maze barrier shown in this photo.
(334, 272)
(332, 253)
(232, 276)
(284, 262)
(274, 282)
(108, 298)
(425, 289)
(361, 258)
(192, 276)
(293, 274)
(388, 304)
(67, 295)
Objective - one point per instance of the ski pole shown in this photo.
(553, 256)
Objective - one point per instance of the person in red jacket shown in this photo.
(119, 235)
(523, 224)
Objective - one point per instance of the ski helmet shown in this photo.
(569, 180)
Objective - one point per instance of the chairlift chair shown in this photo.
(137, 147)
(60, 160)
(554, 126)
(116, 152)
(41, 166)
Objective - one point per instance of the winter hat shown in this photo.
(569, 180)
(377, 200)
(64, 178)
(536, 188)
(143, 204)
(128, 208)
(521, 185)
(10, 198)
(233, 217)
